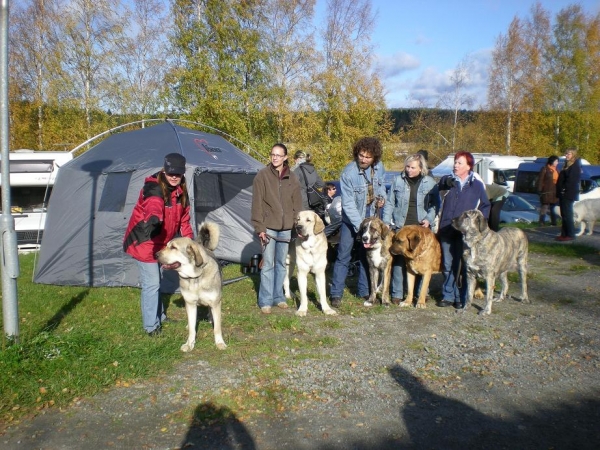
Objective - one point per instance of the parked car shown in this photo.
(527, 176)
(518, 210)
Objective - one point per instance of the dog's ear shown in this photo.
(481, 222)
(194, 253)
(319, 225)
(385, 230)
(413, 241)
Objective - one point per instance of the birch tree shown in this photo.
(143, 60)
(92, 31)
(33, 57)
(348, 92)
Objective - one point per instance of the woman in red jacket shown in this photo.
(161, 212)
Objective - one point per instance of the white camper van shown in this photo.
(493, 168)
(32, 175)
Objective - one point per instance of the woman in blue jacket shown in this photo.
(413, 199)
(461, 192)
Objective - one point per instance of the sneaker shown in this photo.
(282, 305)
(155, 333)
(265, 309)
(396, 300)
(336, 302)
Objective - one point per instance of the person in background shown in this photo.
(161, 212)
(546, 187)
(363, 193)
(461, 192)
(329, 190)
(307, 175)
(497, 195)
(276, 199)
(567, 191)
(413, 199)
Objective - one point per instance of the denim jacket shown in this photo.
(354, 185)
(396, 206)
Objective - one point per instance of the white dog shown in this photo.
(309, 253)
(585, 213)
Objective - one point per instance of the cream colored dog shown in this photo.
(309, 253)
(200, 278)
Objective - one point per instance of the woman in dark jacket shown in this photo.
(546, 187)
(567, 191)
(308, 177)
(162, 211)
(464, 192)
(275, 203)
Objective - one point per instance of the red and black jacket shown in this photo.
(154, 221)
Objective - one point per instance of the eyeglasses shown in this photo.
(273, 155)
(174, 175)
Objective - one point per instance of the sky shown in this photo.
(419, 43)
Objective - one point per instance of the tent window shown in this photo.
(208, 192)
(115, 192)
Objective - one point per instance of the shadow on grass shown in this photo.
(66, 309)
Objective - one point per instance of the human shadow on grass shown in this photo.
(64, 311)
(216, 427)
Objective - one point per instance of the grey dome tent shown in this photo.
(94, 194)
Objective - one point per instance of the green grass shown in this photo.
(566, 251)
(75, 342)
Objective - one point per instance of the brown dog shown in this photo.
(423, 256)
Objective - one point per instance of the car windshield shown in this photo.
(516, 203)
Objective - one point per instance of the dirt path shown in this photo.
(525, 377)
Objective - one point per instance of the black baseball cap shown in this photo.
(174, 164)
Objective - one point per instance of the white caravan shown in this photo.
(493, 168)
(32, 175)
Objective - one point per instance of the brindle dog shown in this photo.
(490, 255)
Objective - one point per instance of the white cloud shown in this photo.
(397, 64)
(405, 89)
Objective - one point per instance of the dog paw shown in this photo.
(367, 303)
(484, 312)
(221, 345)
(405, 304)
(330, 312)
(301, 313)
(421, 306)
(187, 347)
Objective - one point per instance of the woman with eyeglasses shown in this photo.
(276, 199)
(162, 211)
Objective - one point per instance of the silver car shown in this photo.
(518, 210)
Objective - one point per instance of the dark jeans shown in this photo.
(566, 212)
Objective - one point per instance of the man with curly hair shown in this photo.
(363, 193)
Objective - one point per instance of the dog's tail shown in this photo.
(208, 235)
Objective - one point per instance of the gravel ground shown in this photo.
(525, 377)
